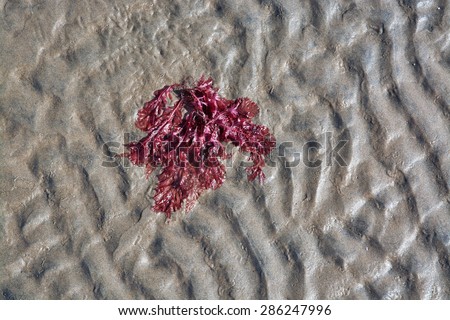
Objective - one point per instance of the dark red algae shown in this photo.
(187, 139)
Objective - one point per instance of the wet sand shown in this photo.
(373, 73)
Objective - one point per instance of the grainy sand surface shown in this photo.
(375, 73)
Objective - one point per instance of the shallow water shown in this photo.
(372, 73)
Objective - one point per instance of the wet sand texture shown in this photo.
(375, 73)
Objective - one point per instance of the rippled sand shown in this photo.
(374, 73)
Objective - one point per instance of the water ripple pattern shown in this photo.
(74, 224)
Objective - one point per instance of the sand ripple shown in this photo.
(373, 73)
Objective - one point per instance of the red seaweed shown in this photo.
(187, 140)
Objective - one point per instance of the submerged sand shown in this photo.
(373, 73)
